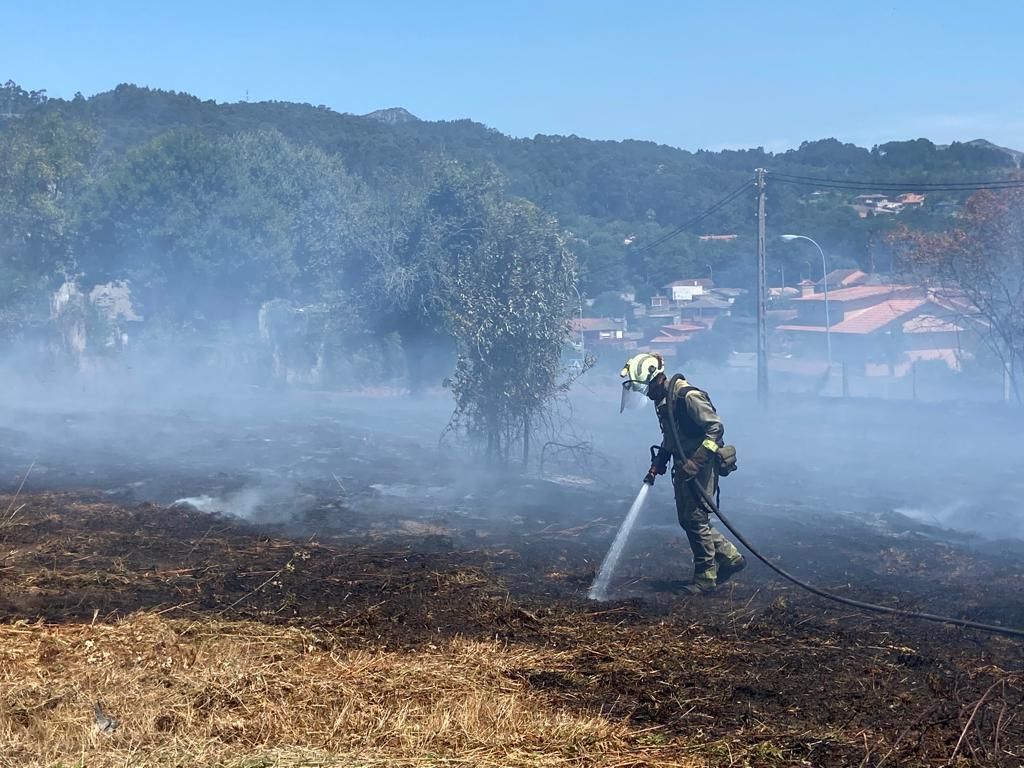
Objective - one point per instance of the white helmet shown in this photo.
(637, 374)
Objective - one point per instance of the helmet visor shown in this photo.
(633, 394)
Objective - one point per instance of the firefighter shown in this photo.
(700, 455)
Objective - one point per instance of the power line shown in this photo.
(899, 187)
(698, 218)
(878, 183)
(891, 186)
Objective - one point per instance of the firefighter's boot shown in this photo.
(728, 568)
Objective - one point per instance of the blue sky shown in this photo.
(692, 74)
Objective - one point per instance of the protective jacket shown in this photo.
(696, 420)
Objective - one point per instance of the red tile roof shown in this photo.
(867, 320)
(859, 292)
(685, 327)
(838, 278)
(678, 332)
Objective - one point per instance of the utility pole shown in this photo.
(762, 295)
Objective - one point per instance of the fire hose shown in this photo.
(701, 494)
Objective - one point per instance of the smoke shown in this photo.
(256, 504)
(950, 467)
(204, 420)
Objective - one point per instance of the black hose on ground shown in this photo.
(702, 494)
(839, 598)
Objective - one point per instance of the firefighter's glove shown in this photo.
(659, 463)
(726, 457)
(653, 473)
(697, 461)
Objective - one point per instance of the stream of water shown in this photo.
(599, 589)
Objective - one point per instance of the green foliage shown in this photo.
(43, 163)
(603, 192)
(428, 244)
(504, 279)
(209, 226)
(182, 217)
(608, 304)
(15, 100)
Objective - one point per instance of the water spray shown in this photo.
(599, 589)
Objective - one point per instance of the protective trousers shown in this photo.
(705, 541)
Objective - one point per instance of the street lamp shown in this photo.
(824, 275)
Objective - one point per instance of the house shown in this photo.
(874, 330)
(877, 203)
(675, 335)
(686, 290)
(841, 278)
(888, 206)
(656, 317)
(872, 205)
(911, 200)
(706, 307)
(729, 293)
(806, 287)
(881, 204)
(871, 201)
(598, 330)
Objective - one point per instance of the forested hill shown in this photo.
(604, 193)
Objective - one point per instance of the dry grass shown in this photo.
(245, 694)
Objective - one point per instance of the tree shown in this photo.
(977, 270)
(43, 167)
(509, 315)
(608, 304)
(15, 100)
(327, 213)
(493, 272)
(189, 221)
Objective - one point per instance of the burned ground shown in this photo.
(361, 556)
(757, 674)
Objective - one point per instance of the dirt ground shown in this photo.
(356, 588)
(366, 597)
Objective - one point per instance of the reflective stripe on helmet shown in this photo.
(642, 368)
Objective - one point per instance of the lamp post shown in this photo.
(824, 280)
